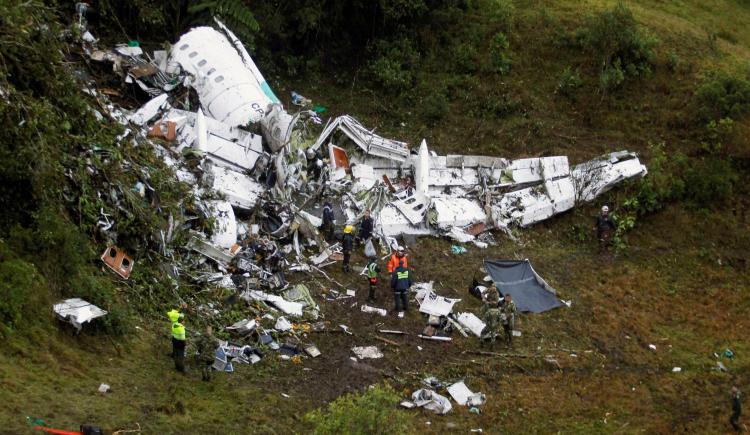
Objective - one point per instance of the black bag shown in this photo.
(474, 289)
(87, 429)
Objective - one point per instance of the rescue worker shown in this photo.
(734, 419)
(178, 337)
(347, 245)
(509, 313)
(400, 283)
(605, 228)
(365, 227)
(397, 257)
(328, 218)
(206, 346)
(174, 315)
(372, 277)
(491, 314)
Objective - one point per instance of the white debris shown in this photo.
(282, 324)
(676, 369)
(103, 388)
(363, 352)
(225, 226)
(431, 400)
(148, 111)
(373, 310)
(465, 397)
(436, 305)
(76, 311)
(472, 323)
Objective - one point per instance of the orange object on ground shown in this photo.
(117, 260)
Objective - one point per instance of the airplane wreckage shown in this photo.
(260, 162)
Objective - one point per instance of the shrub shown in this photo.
(393, 64)
(22, 292)
(570, 80)
(435, 106)
(499, 60)
(710, 181)
(465, 57)
(722, 96)
(622, 50)
(673, 61)
(374, 411)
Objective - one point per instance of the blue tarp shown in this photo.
(518, 278)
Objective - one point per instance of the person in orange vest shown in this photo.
(396, 258)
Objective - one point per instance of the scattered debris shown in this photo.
(363, 352)
(465, 397)
(676, 369)
(374, 310)
(428, 399)
(103, 388)
(76, 311)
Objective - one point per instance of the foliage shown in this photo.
(22, 291)
(394, 63)
(499, 60)
(722, 96)
(621, 50)
(374, 411)
(435, 106)
(673, 61)
(234, 13)
(569, 81)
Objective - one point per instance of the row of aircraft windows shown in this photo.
(202, 62)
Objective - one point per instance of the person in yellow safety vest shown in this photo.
(372, 276)
(175, 315)
(178, 340)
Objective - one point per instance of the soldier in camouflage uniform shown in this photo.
(509, 313)
(206, 345)
(491, 314)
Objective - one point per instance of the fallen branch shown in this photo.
(504, 355)
(385, 340)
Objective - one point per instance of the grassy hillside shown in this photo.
(679, 279)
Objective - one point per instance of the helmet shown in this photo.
(605, 209)
(348, 229)
(310, 153)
